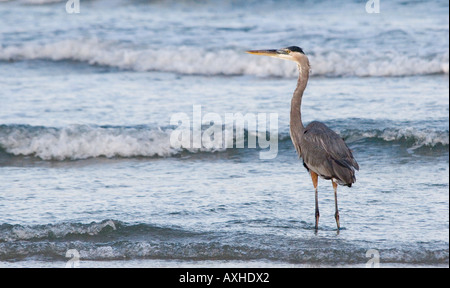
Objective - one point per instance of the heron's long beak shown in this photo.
(279, 53)
(264, 52)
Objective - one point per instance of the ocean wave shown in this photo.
(40, 2)
(195, 61)
(12, 233)
(413, 138)
(116, 240)
(78, 142)
(36, 2)
(82, 141)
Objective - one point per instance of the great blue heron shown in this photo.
(324, 153)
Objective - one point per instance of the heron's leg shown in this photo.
(336, 214)
(314, 178)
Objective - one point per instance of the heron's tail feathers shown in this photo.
(344, 171)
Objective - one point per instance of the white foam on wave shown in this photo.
(192, 60)
(41, 2)
(52, 242)
(18, 232)
(445, 67)
(427, 137)
(416, 138)
(36, 2)
(82, 142)
(421, 138)
(76, 142)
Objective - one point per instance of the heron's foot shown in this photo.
(336, 216)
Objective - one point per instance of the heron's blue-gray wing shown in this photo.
(326, 153)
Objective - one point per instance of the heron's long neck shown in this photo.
(296, 102)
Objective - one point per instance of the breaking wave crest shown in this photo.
(77, 142)
(195, 61)
(413, 138)
(82, 142)
(114, 240)
(12, 233)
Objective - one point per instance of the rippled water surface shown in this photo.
(86, 162)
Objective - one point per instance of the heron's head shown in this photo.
(292, 53)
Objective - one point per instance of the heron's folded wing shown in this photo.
(318, 139)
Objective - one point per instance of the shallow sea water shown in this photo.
(86, 161)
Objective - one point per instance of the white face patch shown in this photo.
(285, 57)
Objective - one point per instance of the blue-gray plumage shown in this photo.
(327, 154)
(324, 153)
